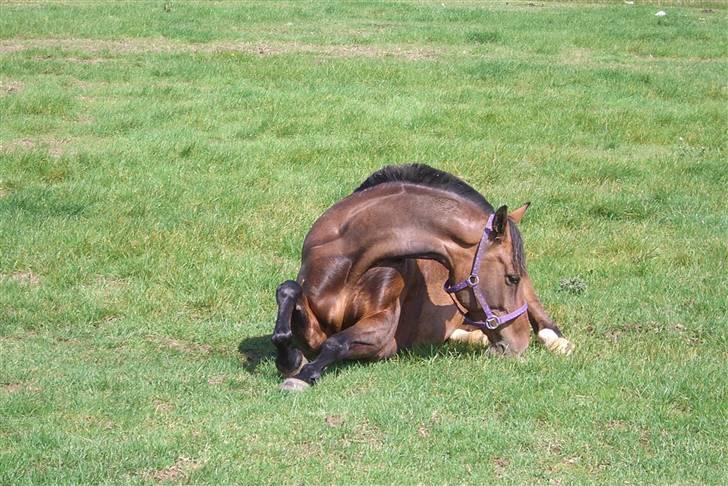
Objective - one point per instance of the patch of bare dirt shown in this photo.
(9, 87)
(181, 346)
(576, 56)
(85, 119)
(216, 380)
(24, 144)
(56, 149)
(409, 54)
(80, 60)
(26, 277)
(334, 420)
(619, 425)
(162, 406)
(11, 388)
(179, 471)
(365, 434)
(162, 45)
(86, 60)
(90, 421)
(105, 286)
(500, 465)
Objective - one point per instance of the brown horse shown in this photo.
(373, 269)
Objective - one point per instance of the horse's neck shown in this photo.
(414, 222)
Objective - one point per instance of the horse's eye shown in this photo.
(513, 279)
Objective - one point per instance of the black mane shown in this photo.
(429, 176)
(426, 176)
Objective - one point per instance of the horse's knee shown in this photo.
(288, 290)
(335, 347)
(287, 296)
(281, 338)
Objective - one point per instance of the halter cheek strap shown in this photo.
(492, 321)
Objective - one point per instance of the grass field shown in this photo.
(161, 162)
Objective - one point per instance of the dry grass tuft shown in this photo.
(25, 277)
(181, 346)
(160, 45)
(8, 87)
(179, 471)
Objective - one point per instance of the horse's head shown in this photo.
(493, 293)
(503, 263)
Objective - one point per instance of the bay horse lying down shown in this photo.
(414, 256)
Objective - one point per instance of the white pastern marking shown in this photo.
(554, 343)
(547, 336)
(475, 338)
(459, 335)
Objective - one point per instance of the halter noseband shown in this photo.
(492, 321)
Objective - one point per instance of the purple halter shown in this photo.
(492, 321)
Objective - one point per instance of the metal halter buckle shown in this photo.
(473, 280)
(491, 322)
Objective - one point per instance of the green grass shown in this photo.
(159, 168)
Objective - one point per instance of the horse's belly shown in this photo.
(428, 313)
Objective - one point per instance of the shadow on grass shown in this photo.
(447, 349)
(424, 352)
(254, 350)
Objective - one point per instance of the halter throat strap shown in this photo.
(492, 321)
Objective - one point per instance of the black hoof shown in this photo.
(290, 363)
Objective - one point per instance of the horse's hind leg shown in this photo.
(547, 331)
(370, 338)
(289, 360)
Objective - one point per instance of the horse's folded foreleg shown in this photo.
(370, 338)
(289, 360)
(547, 331)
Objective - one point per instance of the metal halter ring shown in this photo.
(473, 280)
(491, 323)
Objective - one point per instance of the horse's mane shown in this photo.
(425, 175)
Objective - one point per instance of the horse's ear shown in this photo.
(517, 214)
(499, 221)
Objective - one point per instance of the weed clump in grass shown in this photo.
(483, 37)
(572, 285)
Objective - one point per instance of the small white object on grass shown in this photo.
(629, 2)
(661, 13)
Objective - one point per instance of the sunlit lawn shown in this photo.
(161, 162)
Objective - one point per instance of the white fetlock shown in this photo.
(554, 343)
(294, 384)
(459, 335)
(474, 338)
